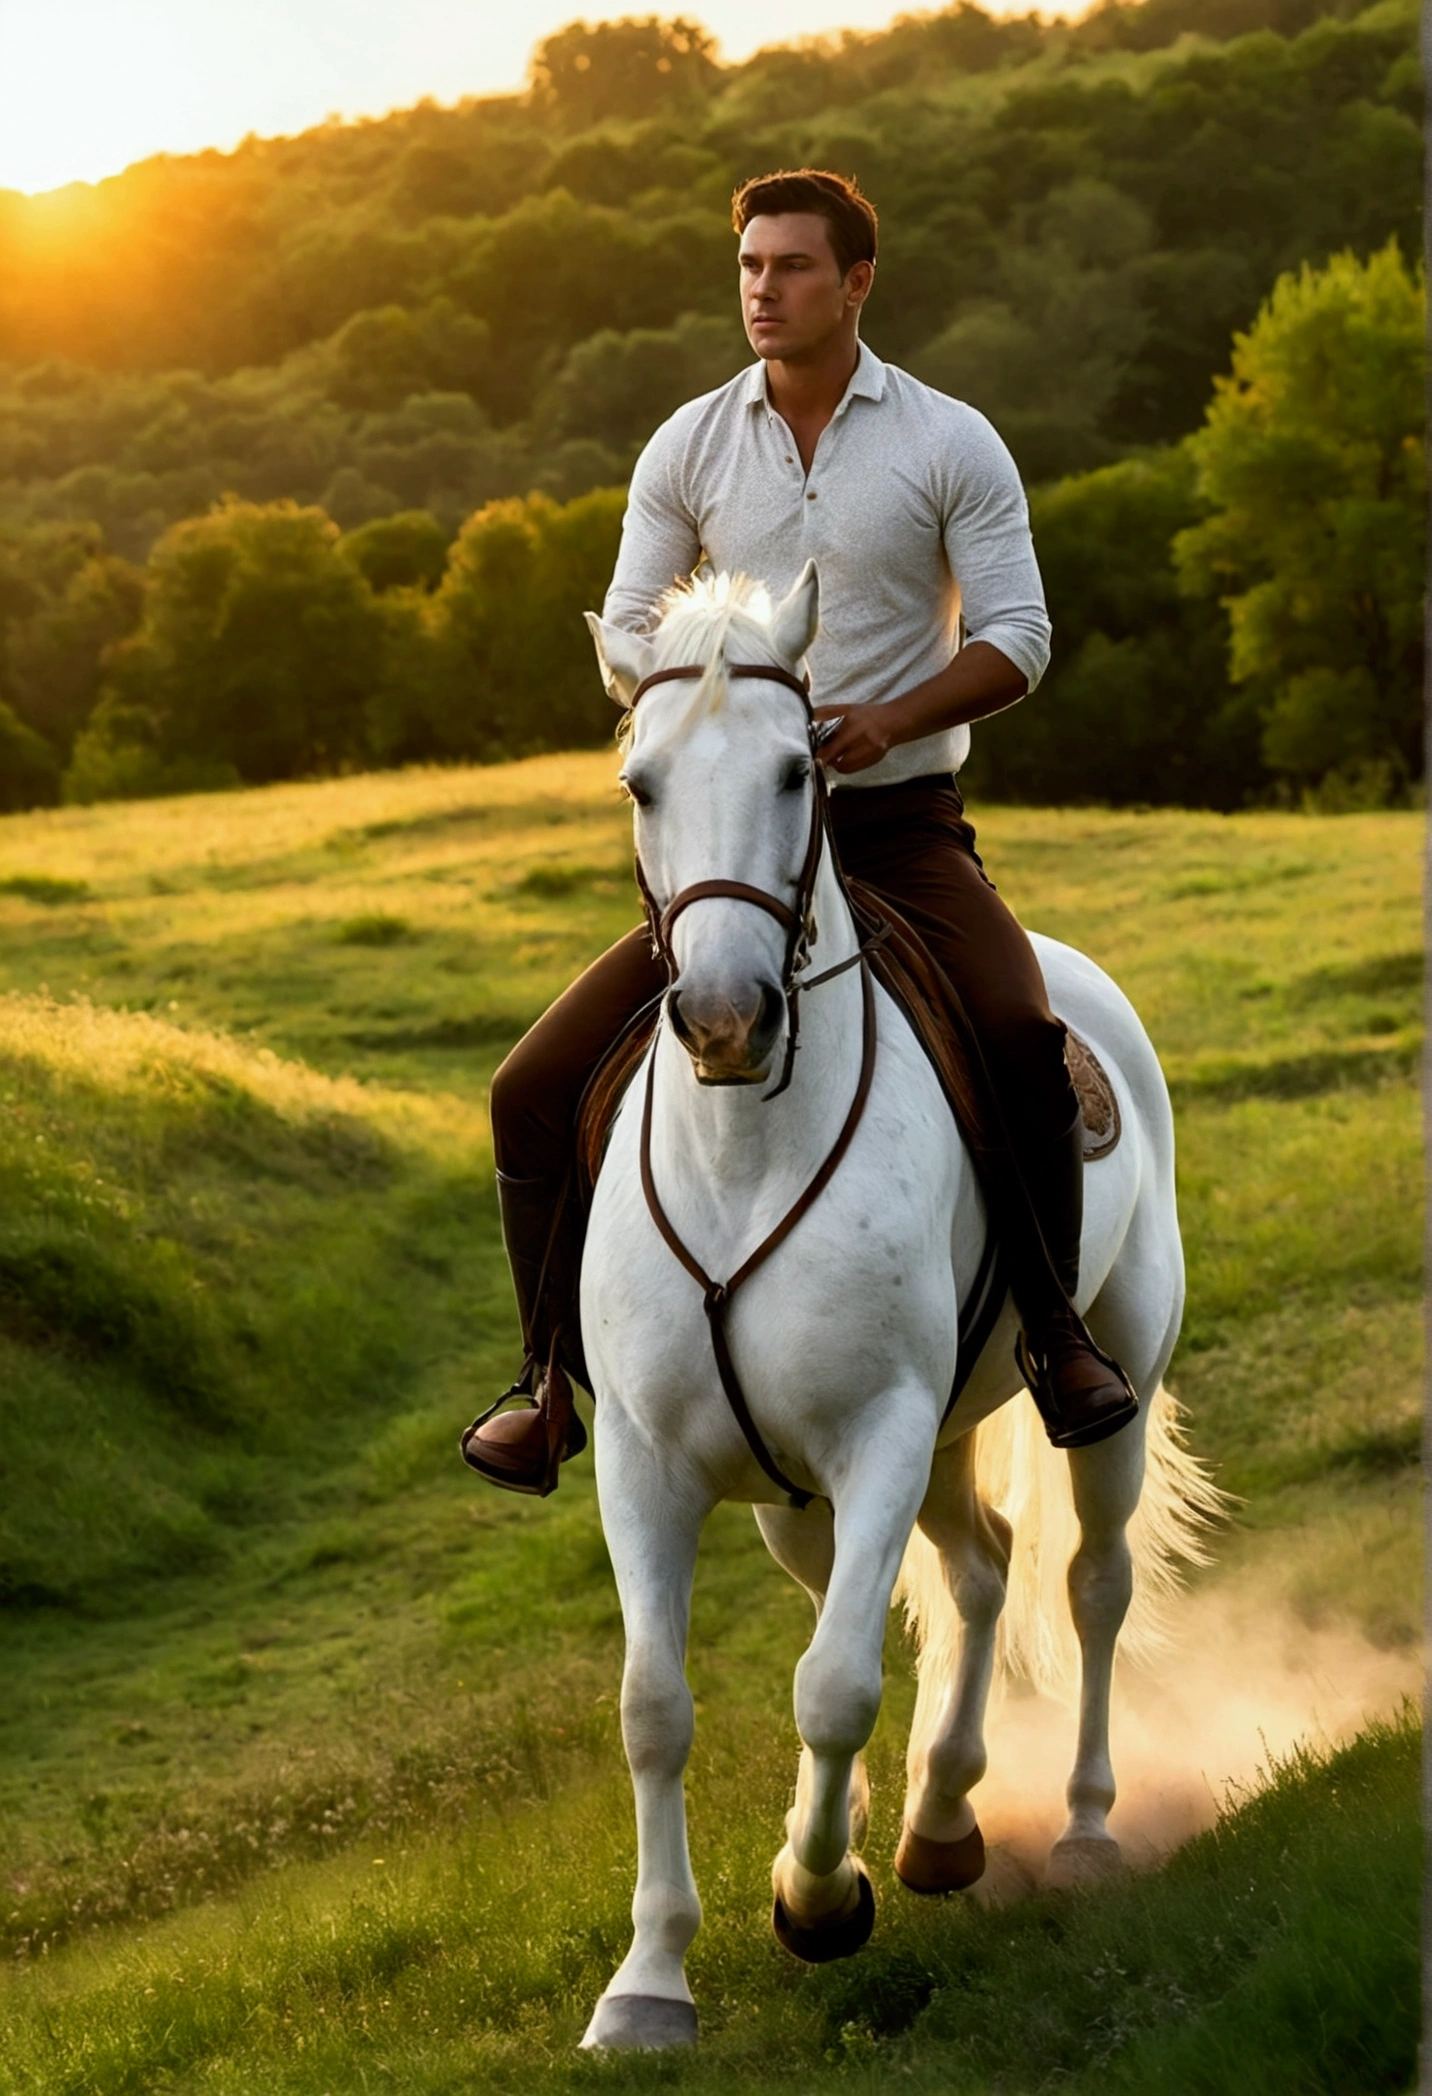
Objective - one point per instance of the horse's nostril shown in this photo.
(679, 1024)
(772, 1006)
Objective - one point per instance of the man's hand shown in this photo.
(979, 681)
(861, 737)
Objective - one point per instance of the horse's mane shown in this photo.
(698, 620)
(705, 611)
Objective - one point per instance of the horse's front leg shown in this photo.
(824, 1906)
(652, 1516)
(803, 1544)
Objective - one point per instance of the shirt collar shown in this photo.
(867, 382)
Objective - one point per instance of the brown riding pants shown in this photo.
(911, 843)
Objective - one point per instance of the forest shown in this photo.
(312, 453)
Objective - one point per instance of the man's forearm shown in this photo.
(977, 682)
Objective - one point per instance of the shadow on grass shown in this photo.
(1296, 1076)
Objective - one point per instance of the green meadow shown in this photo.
(310, 1777)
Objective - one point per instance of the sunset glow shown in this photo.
(88, 87)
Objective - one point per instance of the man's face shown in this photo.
(793, 296)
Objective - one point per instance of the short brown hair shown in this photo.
(835, 198)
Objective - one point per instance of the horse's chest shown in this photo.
(860, 1288)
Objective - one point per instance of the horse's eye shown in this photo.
(795, 775)
(635, 791)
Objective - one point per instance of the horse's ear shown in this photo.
(797, 616)
(624, 658)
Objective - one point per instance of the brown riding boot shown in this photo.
(1082, 1394)
(523, 1450)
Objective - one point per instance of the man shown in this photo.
(913, 510)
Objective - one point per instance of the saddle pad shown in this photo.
(1102, 1122)
(904, 967)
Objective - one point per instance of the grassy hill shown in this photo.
(274, 1660)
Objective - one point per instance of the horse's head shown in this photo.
(719, 767)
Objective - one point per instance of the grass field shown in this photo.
(309, 1772)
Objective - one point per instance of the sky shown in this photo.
(89, 86)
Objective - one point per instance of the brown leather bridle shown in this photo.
(795, 920)
(799, 928)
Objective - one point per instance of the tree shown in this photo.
(57, 656)
(381, 358)
(405, 551)
(621, 69)
(64, 604)
(513, 669)
(616, 388)
(1136, 704)
(29, 768)
(255, 659)
(1312, 462)
(1045, 355)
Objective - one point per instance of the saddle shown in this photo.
(905, 969)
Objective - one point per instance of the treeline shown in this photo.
(1237, 617)
(262, 643)
(449, 306)
(310, 453)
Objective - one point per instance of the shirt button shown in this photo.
(789, 460)
(810, 494)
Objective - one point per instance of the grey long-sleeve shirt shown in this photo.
(912, 510)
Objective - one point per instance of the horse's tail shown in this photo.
(1018, 1472)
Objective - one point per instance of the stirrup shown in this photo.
(543, 1436)
(1063, 1432)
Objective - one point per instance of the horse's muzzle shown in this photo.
(730, 1037)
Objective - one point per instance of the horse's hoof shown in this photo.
(1083, 1859)
(640, 2023)
(922, 1865)
(825, 1941)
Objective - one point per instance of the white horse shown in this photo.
(844, 1340)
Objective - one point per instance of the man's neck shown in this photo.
(807, 393)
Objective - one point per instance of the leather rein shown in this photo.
(798, 924)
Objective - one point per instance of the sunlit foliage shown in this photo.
(480, 313)
(1312, 462)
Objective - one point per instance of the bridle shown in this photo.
(796, 920)
(798, 923)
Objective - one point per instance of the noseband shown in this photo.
(796, 921)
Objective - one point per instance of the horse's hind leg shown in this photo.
(803, 1544)
(941, 1848)
(652, 1521)
(1107, 1480)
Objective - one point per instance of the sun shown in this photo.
(85, 89)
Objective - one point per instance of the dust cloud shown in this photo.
(1241, 1683)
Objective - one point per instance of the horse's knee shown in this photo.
(658, 1718)
(837, 1702)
